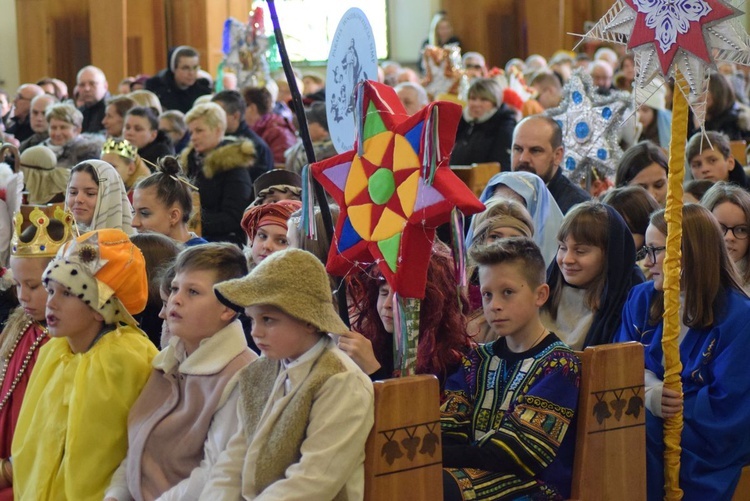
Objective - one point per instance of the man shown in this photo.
(412, 96)
(548, 89)
(179, 85)
(92, 88)
(38, 121)
(601, 73)
(20, 125)
(537, 148)
(234, 106)
(475, 65)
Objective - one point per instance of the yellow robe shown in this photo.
(72, 430)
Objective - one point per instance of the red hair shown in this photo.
(443, 339)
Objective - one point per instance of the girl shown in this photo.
(443, 339)
(635, 205)
(730, 205)
(193, 385)
(163, 203)
(71, 433)
(530, 190)
(644, 164)
(713, 350)
(142, 130)
(266, 228)
(591, 276)
(97, 198)
(305, 408)
(26, 330)
(124, 157)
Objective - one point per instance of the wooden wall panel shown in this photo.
(147, 37)
(33, 39)
(107, 20)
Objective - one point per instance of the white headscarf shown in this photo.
(113, 209)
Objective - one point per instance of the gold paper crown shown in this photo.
(120, 147)
(42, 245)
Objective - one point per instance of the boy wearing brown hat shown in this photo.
(72, 430)
(305, 406)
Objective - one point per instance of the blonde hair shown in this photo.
(66, 113)
(146, 98)
(213, 116)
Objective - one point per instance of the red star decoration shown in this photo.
(692, 41)
(389, 211)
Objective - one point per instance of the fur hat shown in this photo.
(274, 213)
(106, 271)
(277, 180)
(292, 280)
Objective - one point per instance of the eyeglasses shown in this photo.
(650, 251)
(740, 231)
(473, 66)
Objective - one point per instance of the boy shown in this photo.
(193, 385)
(710, 158)
(72, 430)
(305, 408)
(507, 410)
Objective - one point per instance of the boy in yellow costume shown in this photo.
(72, 430)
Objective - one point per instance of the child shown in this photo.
(713, 350)
(276, 185)
(443, 339)
(644, 164)
(591, 277)
(730, 205)
(635, 205)
(97, 198)
(305, 408)
(163, 203)
(26, 332)
(72, 430)
(124, 157)
(193, 385)
(266, 227)
(710, 157)
(508, 408)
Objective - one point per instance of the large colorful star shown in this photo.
(394, 188)
(589, 122)
(670, 35)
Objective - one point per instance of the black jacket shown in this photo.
(172, 97)
(565, 192)
(21, 129)
(263, 154)
(488, 141)
(93, 116)
(153, 151)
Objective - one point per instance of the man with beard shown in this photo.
(538, 148)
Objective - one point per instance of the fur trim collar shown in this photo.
(236, 154)
(211, 357)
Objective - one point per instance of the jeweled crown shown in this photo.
(121, 147)
(42, 245)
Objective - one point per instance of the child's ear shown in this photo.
(227, 314)
(732, 162)
(175, 215)
(541, 294)
(97, 316)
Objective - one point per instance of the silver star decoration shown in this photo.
(725, 40)
(590, 123)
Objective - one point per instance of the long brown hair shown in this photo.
(587, 223)
(723, 192)
(707, 272)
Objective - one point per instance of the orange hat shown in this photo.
(106, 271)
(276, 213)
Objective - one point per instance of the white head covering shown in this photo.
(113, 209)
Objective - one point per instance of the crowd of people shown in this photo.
(176, 335)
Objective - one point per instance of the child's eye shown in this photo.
(193, 292)
(508, 292)
(267, 320)
(486, 295)
(172, 289)
(283, 241)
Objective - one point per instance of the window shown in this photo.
(309, 26)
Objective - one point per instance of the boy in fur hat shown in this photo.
(72, 430)
(305, 406)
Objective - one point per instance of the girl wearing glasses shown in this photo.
(713, 350)
(591, 276)
(730, 205)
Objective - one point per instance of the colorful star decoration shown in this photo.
(590, 123)
(390, 202)
(669, 35)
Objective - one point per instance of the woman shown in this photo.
(655, 119)
(713, 351)
(65, 138)
(219, 168)
(142, 130)
(644, 164)
(485, 132)
(723, 112)
(114, 115)
(96, 196)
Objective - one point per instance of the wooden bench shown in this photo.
(610, 457)
(403, 452)
(742, 492)
(476, 176)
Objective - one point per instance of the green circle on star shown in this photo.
(381, 186)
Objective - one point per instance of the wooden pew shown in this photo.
(476, 176)
(610, 457)
(403, 454)
(742, 492)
